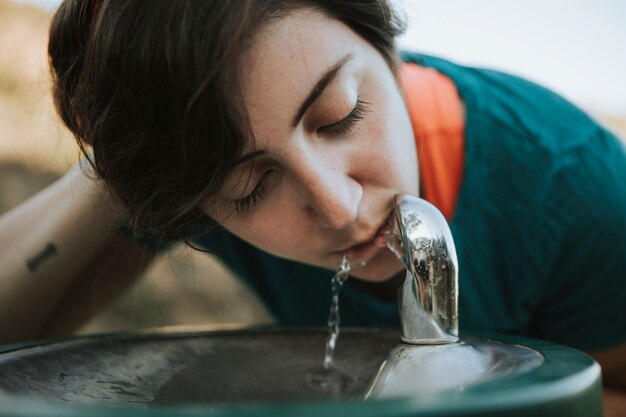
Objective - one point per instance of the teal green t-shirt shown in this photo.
(539, 226)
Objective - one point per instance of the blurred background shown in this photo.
(575, 47)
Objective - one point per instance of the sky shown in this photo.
(575, 47)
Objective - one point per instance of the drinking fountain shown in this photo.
(427, 369)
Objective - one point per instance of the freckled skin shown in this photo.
(323, 192)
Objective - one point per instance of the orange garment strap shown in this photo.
(436, 113)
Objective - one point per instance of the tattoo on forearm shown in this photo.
(35, 262)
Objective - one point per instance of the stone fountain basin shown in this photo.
(274, 371)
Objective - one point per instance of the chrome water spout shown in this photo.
(428, 303)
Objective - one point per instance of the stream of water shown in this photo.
(333, 316)
(394, 244)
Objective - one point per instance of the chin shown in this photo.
(382, 267)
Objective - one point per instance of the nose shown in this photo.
(333, 196)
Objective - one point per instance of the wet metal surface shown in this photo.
(235, 367)
(418, 371)
(251, 366)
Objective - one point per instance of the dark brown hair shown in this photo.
(152, 90)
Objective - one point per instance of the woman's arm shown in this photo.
(53, 248)
(118, 265)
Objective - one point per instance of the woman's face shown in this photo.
(333, 145)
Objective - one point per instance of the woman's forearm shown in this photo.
(44, 245)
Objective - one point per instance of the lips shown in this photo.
(366, 249)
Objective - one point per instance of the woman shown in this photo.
(275, 134)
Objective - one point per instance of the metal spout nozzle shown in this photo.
(429, 297)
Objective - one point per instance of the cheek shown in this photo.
(274, 228)
(391, 154)
(401, 141)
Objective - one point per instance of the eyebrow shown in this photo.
(329, 76)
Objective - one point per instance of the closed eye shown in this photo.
(244, 205)
(347, 123)
(247, 203)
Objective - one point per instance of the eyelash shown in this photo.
(243, 205)
(344, 125)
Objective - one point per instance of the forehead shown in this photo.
(287, 58)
